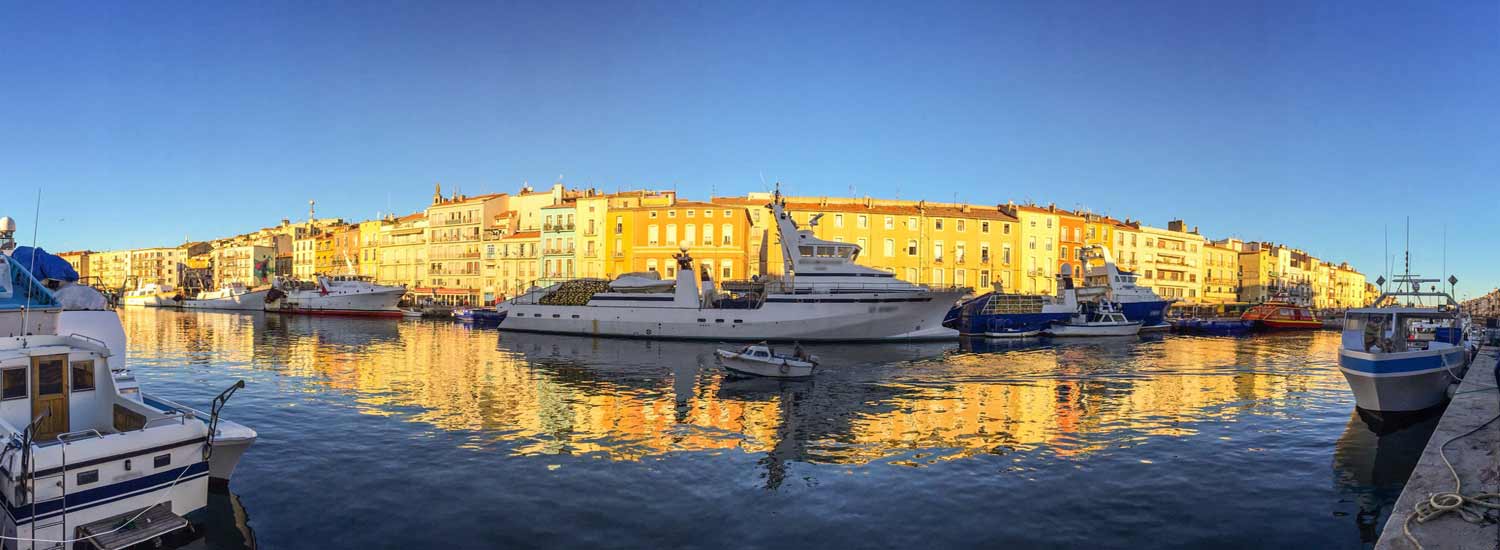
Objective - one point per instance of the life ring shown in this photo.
(785, 368)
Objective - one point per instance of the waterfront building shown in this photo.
(1070, 242)
(594, 234)
(1220, 276)
(368, 259)
(1270, 270)
(558, 240)
(251, 265)
(647, 236)
(283, 265)
(453, 243)
(921, 242)
(304, 257)
(112, 267)
(1171, 262)
(79, 259)
(160, 266)
(403, 251)
(337, 249)
(1127, 237)
(518, 266)
(1038, 246)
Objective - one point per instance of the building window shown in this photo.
(671, 213)
(937, 251)
(937, 224)
(890, 248)
(863, 221)
(691, 213)
(652, 234)
(727, 231)
(728, 271)
(984, 278)
(708, 233)
(653, 214)
(1005, 254)
(1049, 244)
(651, 264)
(689, 233)
(959, 277)
(960, 225)
(727, 214)
(911, 224)
(671, 233)
(863, 243)
(1031, 242)
(838, 220)
(911, 248)
(937, 275)
(890, 222)
(1049, 223)
(984, 227)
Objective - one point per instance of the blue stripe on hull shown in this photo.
(1404, 365)
(1010, 323)
(107, 494)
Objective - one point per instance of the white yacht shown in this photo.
(150, 295)
(1098, 319)
(85, 461)
(232, 296)
(336, 295)
(823, 296)
(1106, 281)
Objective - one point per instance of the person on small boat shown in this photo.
(798, 353)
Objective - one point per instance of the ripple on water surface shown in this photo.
(392, 433)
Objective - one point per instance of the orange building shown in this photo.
(1071, 232)
(646, 237)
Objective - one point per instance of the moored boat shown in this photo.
(1402, 357)
(150, 295)
(761, 360)
(479, 315)
(87, 457)
(1282, 315)
(1004, 315)
(823, 296)
(336, 295)
(232, 296)
(1101, 319)
(1105, 281)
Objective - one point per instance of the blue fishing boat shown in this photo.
(1212, 327)
(479, 315)
(1006, 315)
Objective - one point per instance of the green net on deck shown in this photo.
(575, 293)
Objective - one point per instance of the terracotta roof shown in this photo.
(523, 235)
(564, 205)
(412, 216)
(974, 212)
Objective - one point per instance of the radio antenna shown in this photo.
(36, 220)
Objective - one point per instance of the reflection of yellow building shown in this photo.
(946, 244)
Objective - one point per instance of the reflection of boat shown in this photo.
(1101, 320)
(1004, 315)
(1106, 281)
(150, 295)
(1281, 315)
(85, 457)
(233, 296)
(1403, 357)
(761, 360)
(825, 296)
(1371, 463)
(341, 295)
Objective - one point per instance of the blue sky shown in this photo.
(1312, 123)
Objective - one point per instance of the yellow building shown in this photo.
(647, 236)
(250, 265)
(305, 257)
(112, 267)
(594, 232)
(369, 247)
(1038, 246)
(1220, 275)
(79, 259)
(941, 244)
(160, 266)
(1172, 262)
(519, 264)
(403, 251)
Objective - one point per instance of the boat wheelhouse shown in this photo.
(823, 296)
(1401, 357)
(83, 457)
(1282, 315)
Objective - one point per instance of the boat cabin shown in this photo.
(1393, 330)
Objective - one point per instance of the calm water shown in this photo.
(399, 433)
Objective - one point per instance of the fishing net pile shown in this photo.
(575, 293)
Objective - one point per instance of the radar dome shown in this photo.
(7, 224)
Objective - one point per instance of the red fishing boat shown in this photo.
(1281, 315)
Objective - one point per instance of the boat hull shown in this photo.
(250, 301)
(745, 367)
(230, 444)
(377, 303)
(1148, 313)
(1401, 382)
(1064, 330)
(1012, 325)
(1288, 324)
(147, 301)
(801, 317)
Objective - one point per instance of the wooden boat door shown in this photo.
(49, 391)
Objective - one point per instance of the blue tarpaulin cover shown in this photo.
(46, 266)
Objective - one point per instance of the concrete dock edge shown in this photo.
(1475, 457)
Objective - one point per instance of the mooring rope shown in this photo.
(1471, 508)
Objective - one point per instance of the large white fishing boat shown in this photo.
(823, 296)
(233, 296)
(1400, 355)
(150, 295)
(336, 295)
(1105, 281)
(86, 462)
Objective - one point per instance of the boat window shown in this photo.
(1284, 312)
(49, 377)
(806, 251)
(83, 375)
(13, 383)
(161, 460)
(85, 478)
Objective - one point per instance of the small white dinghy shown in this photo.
(1104, 321)
(760, 360)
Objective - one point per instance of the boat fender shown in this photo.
(784, 368)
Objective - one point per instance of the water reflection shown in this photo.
(1372, 461)
(923, 421)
